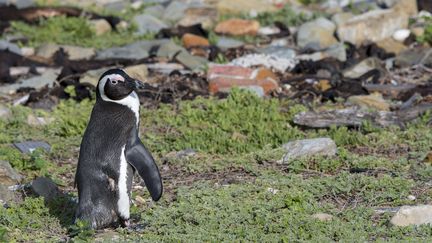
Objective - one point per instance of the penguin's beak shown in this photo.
(137, 84)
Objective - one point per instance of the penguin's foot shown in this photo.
(125, 223)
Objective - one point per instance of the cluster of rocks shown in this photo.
(364, 36)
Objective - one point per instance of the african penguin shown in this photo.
(111, 152)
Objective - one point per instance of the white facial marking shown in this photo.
(123, 201)
(131, 101)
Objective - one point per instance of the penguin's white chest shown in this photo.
(123, 203)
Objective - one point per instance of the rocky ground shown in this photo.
(271, 120)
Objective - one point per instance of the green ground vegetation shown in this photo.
(427, 35)
(233, 188)
(74, 31)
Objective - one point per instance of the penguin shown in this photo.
(110, 153)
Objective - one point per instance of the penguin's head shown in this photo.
(115, 84)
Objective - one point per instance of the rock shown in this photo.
(6, 195)
(238, 27)
(392, 46)
(183, 153)
(5, 112)
(122, 25)
(337, 51)
(414, 56)
(417, 30)
(364, 66)
(428, 158)
(341, 18)
(155, 11)
(316, 56)
(269, 61)
(74, 52)
(355, 117)
(175, 11)
(413, 215)
(169, 50)
(135, 5)
(272, 190)
(28, 147)
(401, 35)
(322, 216)
(5, 45)
(107, 236)
(165, 68)
(373, 26)
(47, 78)
(36, 121)
(135, 51)
(224, 77)
(92, 76)
(225, 43)
(374, 100)
(45, 187)
(116, 6)
(256, 89)
(225, 7)
(18, 3)
(386, 210)
(19, 71)
(8, 176)
(191, 62)
(100, 26)
(186, 153)
(411, 197)
(139, 71)
(268, 30)
(317, 34)
(339, 4)
(190, 40)
(309, 147)
(27, 51)
(148, 24)
(164, 2)
(207, 17)
(140, 200)
(282, 42)
(408, 7)
(278, 51)
(21, 100)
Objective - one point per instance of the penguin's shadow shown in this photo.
(63, 208)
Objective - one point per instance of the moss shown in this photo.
(241, 123)
(30, 221)
(71, 118)
(307, 2)
(285, 15)
(250, 212)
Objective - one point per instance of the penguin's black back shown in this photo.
(107, 132)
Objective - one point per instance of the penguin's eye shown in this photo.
(113, 82)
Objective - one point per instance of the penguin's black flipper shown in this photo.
(140, 158)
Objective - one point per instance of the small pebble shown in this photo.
(272, 190)
(401, 35)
